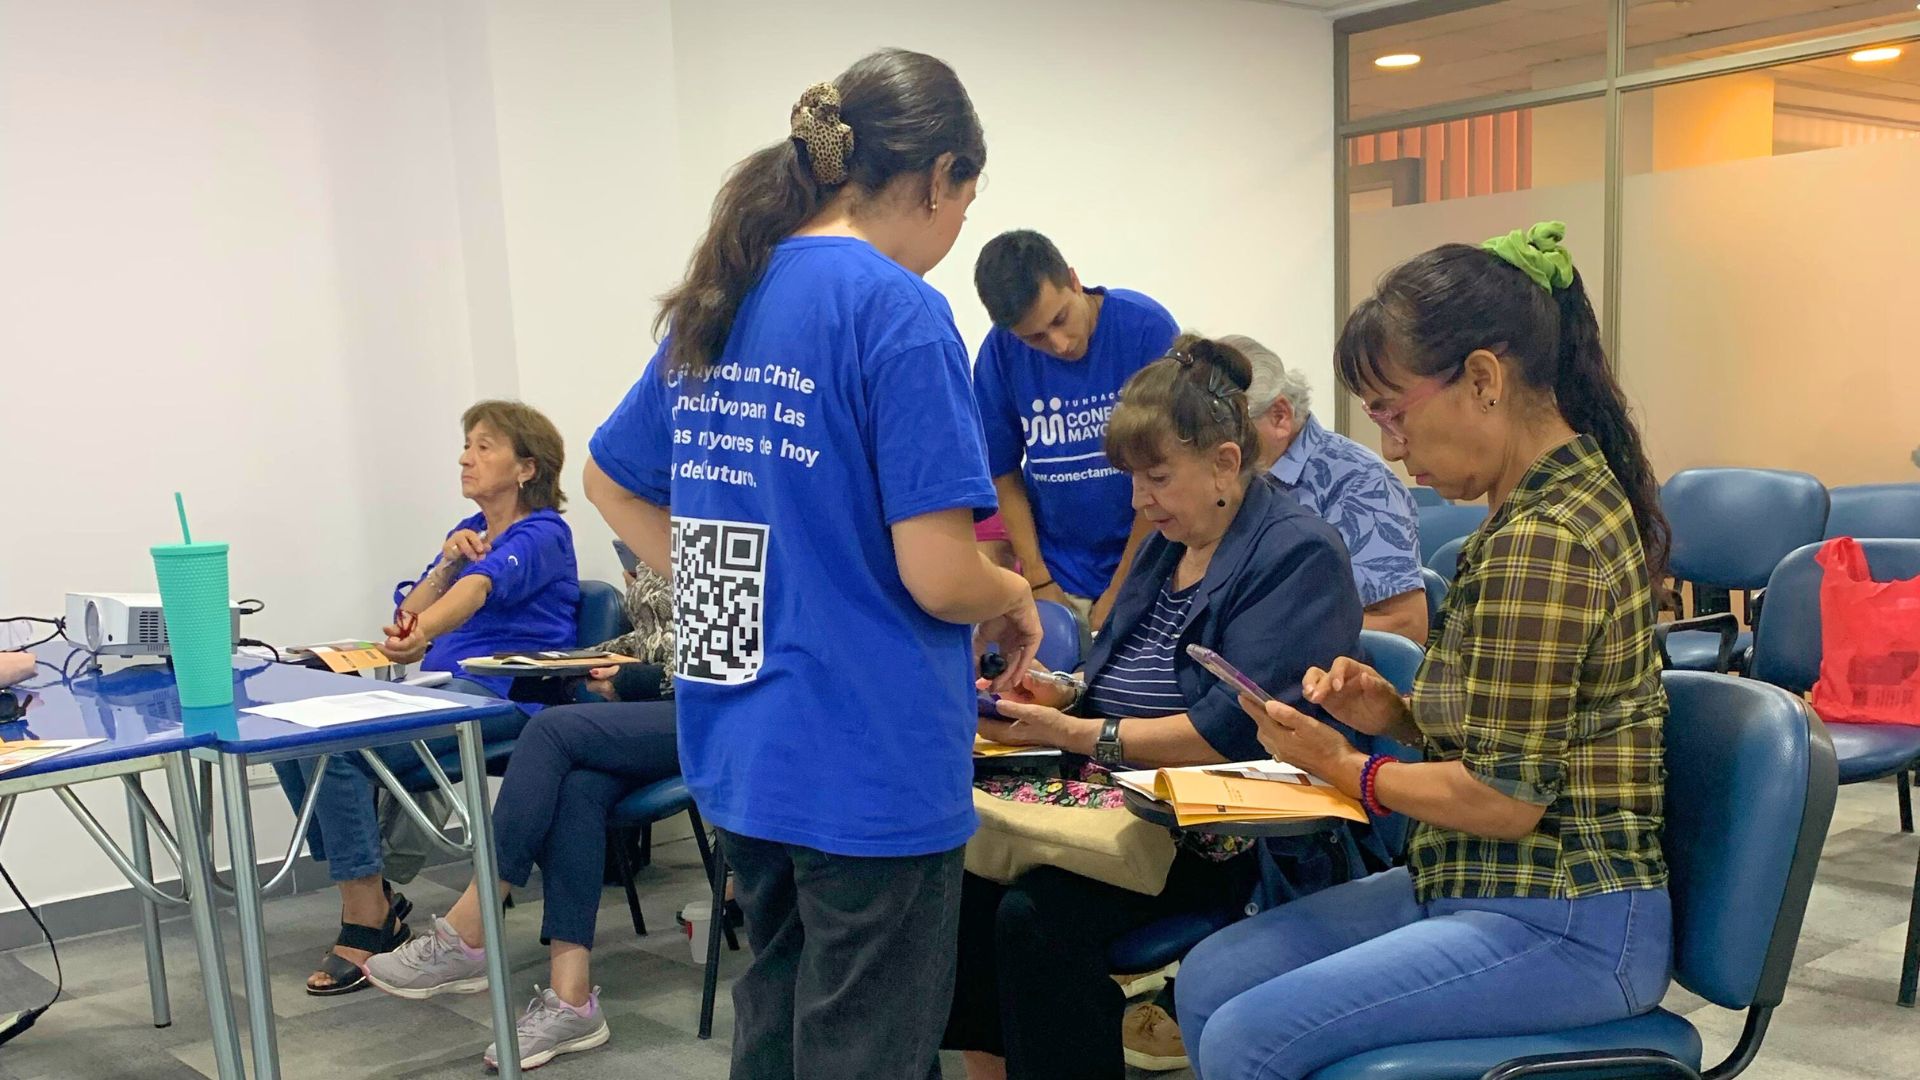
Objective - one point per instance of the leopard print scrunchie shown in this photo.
(817, 125)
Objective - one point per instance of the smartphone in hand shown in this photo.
(1227, 673)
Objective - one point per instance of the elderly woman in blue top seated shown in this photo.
(1234, 565)
(505, 580)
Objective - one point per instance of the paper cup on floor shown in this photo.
(696, 917)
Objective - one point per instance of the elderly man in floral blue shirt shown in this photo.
(1348, 486)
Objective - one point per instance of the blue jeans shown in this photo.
(346, 824)
(1363, 965)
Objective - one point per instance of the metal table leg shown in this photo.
(247, 904)
(486, 878)
(196, 870)
(149, 915)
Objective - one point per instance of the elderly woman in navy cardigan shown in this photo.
(1237, 566)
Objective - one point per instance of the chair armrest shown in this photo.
(1594, 1064)
(1726, 623)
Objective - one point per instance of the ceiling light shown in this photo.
(1876, 56)
(1405, 60)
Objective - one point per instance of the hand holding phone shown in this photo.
(1227, 673)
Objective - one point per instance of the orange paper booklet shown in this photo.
(987, 748)
(25, 752)
(349, 657)
(1244, 791)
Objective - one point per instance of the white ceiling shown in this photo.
(1514, 45)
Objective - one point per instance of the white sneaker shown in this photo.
(550, 1027)
(430, 965)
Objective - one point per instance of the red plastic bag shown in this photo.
(1869, 641)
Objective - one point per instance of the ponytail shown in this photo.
(891, 114)
(1519, 297)
(762, 202)
(1592, 403)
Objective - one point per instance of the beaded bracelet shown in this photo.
(1369, 785)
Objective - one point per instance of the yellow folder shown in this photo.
(1199, 797)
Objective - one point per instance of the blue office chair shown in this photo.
(1436, 587)
(1426, 496)
(1398, 661)
(1731, 527)
(1786, 653)
(1394, 657)
(602, 615)
(1751, 791)
(1875, 511)
(637, 813)
(1060, 647)
(1446, 559)
(1439, 524)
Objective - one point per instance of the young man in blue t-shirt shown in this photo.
(1046, 378)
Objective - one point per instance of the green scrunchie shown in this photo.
(1538, 254)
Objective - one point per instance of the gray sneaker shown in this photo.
(550, 1028)
(429, 965)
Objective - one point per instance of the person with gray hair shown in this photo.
(1346, 484)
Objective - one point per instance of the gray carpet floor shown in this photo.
(1839, 1019)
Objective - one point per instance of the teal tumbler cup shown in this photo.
(198, 610)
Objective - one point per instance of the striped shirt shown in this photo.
(1139, 681)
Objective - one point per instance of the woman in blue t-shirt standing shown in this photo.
(804, 455)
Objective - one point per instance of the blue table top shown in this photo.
(137, 710)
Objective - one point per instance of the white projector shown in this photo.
(122, 624)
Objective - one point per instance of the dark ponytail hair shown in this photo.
(1430, 312)
(904, 110)
(1196, 395)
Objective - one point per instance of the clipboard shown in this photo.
(548, 665)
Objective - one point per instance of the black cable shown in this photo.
(59, 629)
(23, 1020)
(258, 606)
(93, 657)
(258, 644)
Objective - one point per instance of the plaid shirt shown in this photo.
(1543, 680)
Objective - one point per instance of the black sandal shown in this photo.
(397, 901)
(348, 976)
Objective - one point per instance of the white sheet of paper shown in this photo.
(324, 712)
(1141, 780)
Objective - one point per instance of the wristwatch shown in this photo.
(1106, 750)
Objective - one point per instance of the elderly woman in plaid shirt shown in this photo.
(1535, 897)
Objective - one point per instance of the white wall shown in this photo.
(1380, 239)
(233, 265)
(1767, 310)
(266, 252)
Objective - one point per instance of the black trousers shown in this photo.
(853, 961)
(1033, 983)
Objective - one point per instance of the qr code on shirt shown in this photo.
(719, 592)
